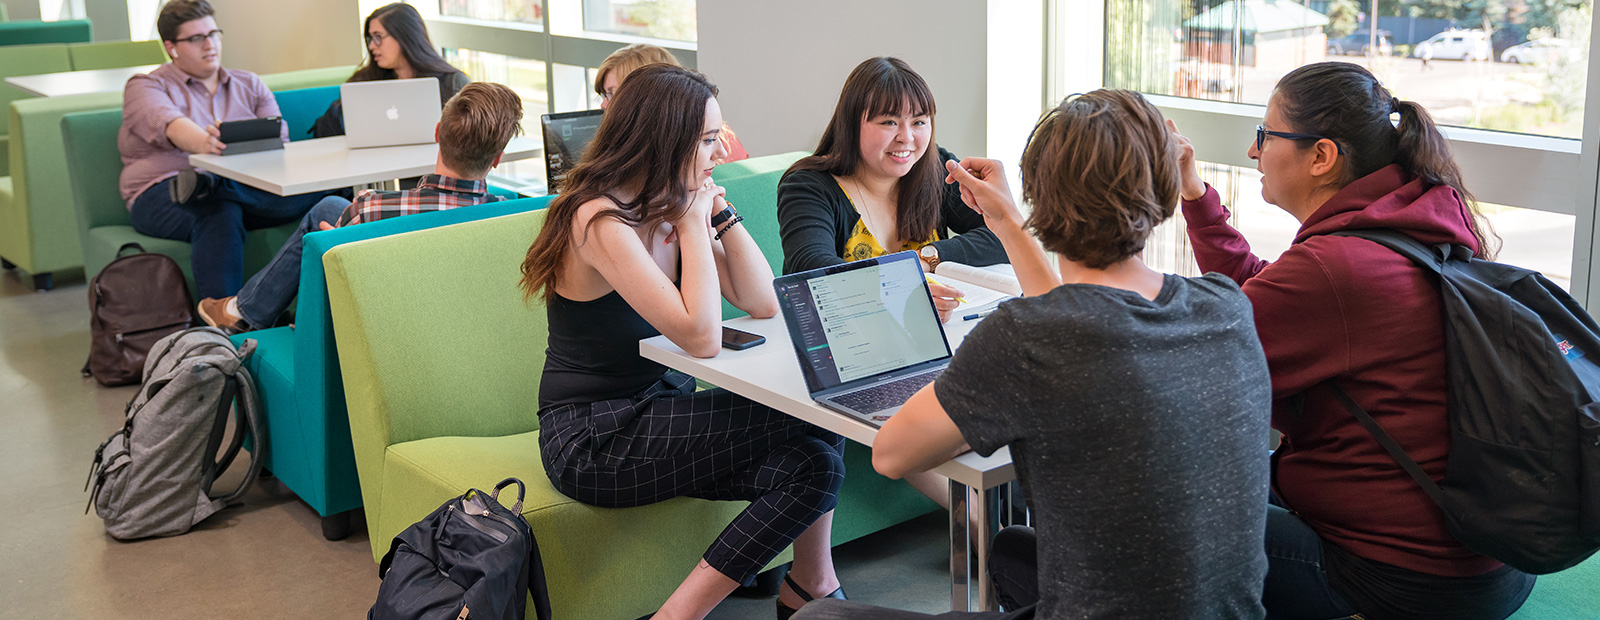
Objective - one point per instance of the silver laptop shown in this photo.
(566, 134)
(866, 333)
(390, 112)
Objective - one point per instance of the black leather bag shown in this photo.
(471, 558)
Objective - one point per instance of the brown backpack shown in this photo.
(133, 302)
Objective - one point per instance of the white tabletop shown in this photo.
(78, 82)
(770, 374)
(327, 163)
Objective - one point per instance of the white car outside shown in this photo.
(1541, 50)
(1462, 44)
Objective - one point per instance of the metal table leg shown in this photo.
(964, 584)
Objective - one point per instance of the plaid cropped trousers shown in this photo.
(670, 441)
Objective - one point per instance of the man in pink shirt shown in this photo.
(173, 112)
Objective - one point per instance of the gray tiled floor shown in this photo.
(265, 559)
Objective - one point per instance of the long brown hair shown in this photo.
(1346, 103)
(404, 24)
(877, 87)
(645, 141)
(1101, 171)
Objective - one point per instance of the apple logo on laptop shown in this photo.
(393, 113)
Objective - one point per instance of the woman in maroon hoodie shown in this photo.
(1350, 532)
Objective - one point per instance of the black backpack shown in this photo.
(1522, 480)
(134, 301)
(471, 558)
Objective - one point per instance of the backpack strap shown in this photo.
(1429, 258)
(1391, 446)
(249, 420)
(132, 245)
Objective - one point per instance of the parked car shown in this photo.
(1462, 44)
(1539, 50)
(1356, 44)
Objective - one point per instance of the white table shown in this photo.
(770, 374)
(328, 163)
(78, 82)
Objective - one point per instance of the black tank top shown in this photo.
(594, 352)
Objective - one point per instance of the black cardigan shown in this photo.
(815, 218)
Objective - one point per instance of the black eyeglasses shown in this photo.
(1262, 133)
(376, 38)
(197, 39)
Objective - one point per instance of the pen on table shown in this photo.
(978, 315)
(933, 281)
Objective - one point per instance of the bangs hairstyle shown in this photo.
(476, 125)
(1102, 172)
(176, 13)
(628, 59)
(884, 86)
(646, 141)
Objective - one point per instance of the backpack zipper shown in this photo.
(119, 336)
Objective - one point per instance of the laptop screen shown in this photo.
(861, 320)
(565, 136)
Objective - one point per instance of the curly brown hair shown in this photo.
(1101, 171)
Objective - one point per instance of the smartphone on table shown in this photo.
(740, 340)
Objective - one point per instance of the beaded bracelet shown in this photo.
(735, 220)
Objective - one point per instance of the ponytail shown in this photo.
(1424, 152)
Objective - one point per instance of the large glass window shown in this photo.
(1508, 65)
(527, 79)
(525, 11)
(673, 20)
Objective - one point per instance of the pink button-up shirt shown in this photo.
(152, 101)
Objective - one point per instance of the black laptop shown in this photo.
(565, 136)
(866, 333)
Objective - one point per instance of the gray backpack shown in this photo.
(154, 477)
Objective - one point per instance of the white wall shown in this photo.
(287, 35)
(19, 10)
(780, 65)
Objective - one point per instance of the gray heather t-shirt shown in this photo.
(1139, 433)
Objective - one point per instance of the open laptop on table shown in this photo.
(390, 112)
(565, 136)
(866, 333)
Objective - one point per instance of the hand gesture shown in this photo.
(703, 201)
(985, 189)
(945, 299)
(1192, 188)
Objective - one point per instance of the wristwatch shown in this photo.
(929, 255)
(726, 214)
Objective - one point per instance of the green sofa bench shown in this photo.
(33, 31)
(441, 358)
(39, 230)
(17, 60)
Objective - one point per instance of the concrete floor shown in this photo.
(264, 559)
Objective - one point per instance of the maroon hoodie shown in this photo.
(1349, 309)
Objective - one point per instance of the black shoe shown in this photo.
(191, 185)
(784, 611)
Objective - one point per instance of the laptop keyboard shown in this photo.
(886, 395)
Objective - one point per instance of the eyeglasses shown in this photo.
(376, 38)
(1262, 133)
(215, 35)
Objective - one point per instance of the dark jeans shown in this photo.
(1013, 564)
(1297, 585)
(268, 293)
(215, 227)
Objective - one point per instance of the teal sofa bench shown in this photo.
(39, 231)
(297, 374)
(33, 31)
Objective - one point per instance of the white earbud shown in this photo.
(174, 54)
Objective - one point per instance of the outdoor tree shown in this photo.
(666, 19)
(1343, 17)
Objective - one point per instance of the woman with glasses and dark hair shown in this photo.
(1349, 531)
(398, 48)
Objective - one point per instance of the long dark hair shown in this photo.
(1346, 103)
(646, 141)
(405, 25)
(877, 87)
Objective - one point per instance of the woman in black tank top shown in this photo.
(643, 243)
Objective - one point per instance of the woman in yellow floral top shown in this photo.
(872, 188)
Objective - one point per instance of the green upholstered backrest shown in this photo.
(18, 60)
(32, 32)
(752, 186)
(308, 78)
(434, 336)
(303, 106)
(93, 164)
(111, 54)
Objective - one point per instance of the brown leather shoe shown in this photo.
(215, 313)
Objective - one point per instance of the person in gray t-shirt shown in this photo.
(1135, 403)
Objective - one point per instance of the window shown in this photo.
(525, 11)
(658, 19)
